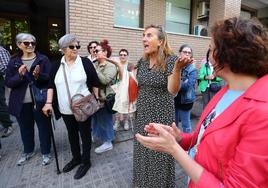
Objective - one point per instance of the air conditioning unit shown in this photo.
(203, 9)
(200, 30)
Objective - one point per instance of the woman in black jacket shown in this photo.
(28, 70)
(81, 77)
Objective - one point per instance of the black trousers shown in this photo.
(207, 96)
(4, 115)
(75, 128)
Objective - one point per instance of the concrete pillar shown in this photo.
(221, 9)
(154, 12)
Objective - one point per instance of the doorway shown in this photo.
(44, 19)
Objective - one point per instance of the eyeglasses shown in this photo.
(123, 54)
(92, 47)
(186, 52)
(26, 43)
(74, 46)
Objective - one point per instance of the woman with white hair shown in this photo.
(81, 78)
(25, 70)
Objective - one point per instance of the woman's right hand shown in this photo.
(47, 109)
(22, 70)
(173, 130)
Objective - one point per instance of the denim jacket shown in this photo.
(188, 80)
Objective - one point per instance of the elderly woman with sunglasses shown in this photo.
(81, 77)
(25, 70)
(230, 140)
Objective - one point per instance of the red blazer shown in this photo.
(234, 148)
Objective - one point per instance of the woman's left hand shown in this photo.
(36, 71)
(181, 62)
(163, 141)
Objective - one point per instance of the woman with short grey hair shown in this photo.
(26, 70)
(81, 77)
(24, 36)
(67, 40)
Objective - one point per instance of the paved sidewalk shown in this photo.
(112, 169)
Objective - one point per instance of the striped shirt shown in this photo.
(4, 59)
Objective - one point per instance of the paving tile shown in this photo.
(112, 169)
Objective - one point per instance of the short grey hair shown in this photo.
(67, 40)
(24, 36)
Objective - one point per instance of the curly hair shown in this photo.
(106, 47)
(242, 45)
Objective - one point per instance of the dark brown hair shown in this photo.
(89, 45)
(186, 46)
(242, 45)
(106, 47)
(123, 50)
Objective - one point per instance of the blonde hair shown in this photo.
(164, 50)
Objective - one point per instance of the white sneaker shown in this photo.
(106, 146)
(116, 125)
(126, 125)
(46, 159)
(25, 157)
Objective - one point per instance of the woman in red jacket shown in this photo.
(230, 141)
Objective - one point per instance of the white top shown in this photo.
(122, 104)
(76, 78)
(91, 59)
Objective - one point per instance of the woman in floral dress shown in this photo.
(158, 76)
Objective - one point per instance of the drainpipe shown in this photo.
(67, 23)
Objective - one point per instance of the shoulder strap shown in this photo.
(66, 82)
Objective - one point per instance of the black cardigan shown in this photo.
(92, 81)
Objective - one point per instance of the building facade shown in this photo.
(122, 22)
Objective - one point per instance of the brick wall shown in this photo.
(154, 12)
(93, 20)
(232, 8)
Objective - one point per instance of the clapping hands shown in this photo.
(22, 70)
(36, 71)
(160, 137)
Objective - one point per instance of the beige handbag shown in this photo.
(81, 106)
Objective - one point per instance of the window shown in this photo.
(178, 16)
(10, 27)
(127, 13)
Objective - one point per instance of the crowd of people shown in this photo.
(227, 143)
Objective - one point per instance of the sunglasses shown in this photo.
(25, 43)
(123, 54)
(74, 46)
(97, 51)
(92, 47)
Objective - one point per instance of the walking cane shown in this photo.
(53, 142)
